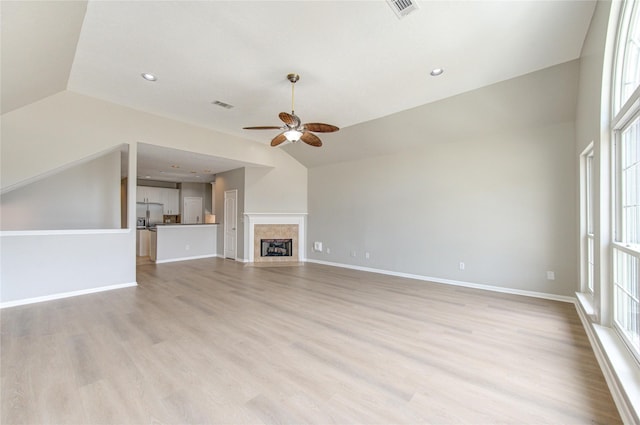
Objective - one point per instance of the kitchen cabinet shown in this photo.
(141, 194)
(171, 201)
(149, 195)
(142, 242)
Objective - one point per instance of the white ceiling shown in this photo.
(357, 60)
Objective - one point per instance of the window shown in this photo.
(626, 252)
(588, 232)
(590, 229)
(626, 167)
(628, 57)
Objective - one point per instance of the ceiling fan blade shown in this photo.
(289, 119)
(320, 127)
(280, 138)
(311, 139)
(263, 127)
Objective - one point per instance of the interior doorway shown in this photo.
(230, 224)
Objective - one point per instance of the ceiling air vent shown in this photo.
(222, 104)
(403, 7)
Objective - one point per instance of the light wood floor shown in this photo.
(213, 341)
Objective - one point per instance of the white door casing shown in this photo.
(230, 223)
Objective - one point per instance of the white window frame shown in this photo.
(624, 257)
(587, 232)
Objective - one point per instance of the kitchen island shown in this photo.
(178, 242)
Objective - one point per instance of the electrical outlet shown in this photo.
(317, 246)
(187, 247)
(367, 255)
(353, 253)
(461, 265)
(328, 250)
(551, 275)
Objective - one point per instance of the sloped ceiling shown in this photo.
(38, 43)
(358, 62)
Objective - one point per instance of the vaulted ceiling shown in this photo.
(357, 61)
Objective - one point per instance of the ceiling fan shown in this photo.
(293, 129)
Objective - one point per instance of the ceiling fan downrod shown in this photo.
(293, 78)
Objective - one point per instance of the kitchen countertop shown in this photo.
(181, 225)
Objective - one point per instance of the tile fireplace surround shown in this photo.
(274, 231)
(275, 226)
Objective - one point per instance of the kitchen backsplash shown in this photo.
(171, 219)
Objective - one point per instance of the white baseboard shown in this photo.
(197, 257)
(239, 260)
(65, 295)
(534, 294)
(622, 375)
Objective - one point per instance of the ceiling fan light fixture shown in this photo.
(293, 129)
(293, 135)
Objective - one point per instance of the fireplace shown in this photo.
(276, 243)
(260, 226)
(276, 247)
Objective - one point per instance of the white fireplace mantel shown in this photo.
(274, 218)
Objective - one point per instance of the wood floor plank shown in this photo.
(215, 341)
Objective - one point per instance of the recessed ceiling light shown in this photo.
(149, 77)
(175, 166)
(437, 71)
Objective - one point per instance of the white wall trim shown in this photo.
(65, 295)
(239, 260)
(196, 257)
(276, 214)
(622, 380)
(274, 218)
(7, 233)
(547, 296)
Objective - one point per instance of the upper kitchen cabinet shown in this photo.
(148, 194)
(171, 201)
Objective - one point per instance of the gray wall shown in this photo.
(85, 196)
(501, 201)
(230, 180)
